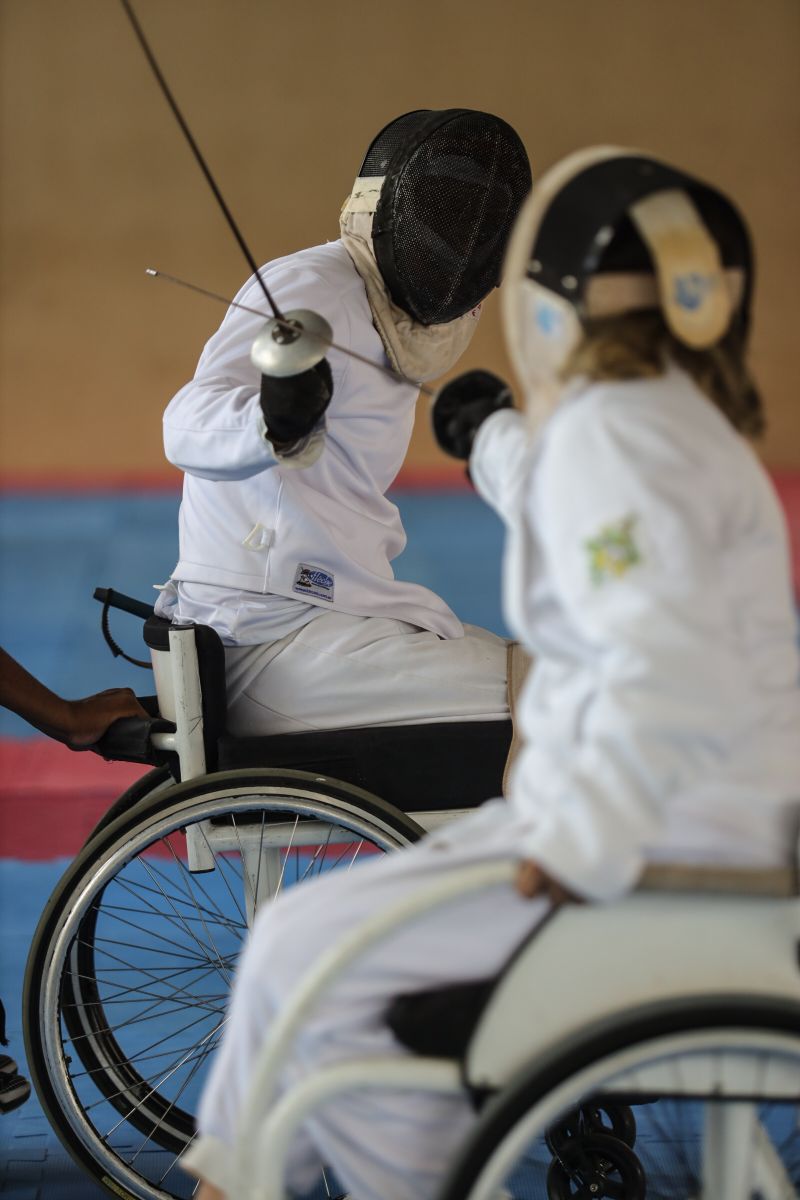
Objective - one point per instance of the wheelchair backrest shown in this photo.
(589, 963)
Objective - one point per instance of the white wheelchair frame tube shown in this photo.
(258, 1160)
(187, 740)
(188, 702)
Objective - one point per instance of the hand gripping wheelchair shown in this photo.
(130, 967)
(647, 1049)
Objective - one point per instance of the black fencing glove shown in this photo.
(292, 404)
(462, 406)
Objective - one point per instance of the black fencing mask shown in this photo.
(453, 183)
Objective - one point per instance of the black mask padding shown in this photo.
(454, 183)
(572, 242)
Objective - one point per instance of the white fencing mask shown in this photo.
(609, 231)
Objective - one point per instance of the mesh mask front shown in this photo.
(453, 183)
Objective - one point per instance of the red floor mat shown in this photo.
(51, 798)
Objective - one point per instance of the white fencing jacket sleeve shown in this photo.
(214, 427)
(640, 518)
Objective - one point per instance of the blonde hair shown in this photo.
(639, 345)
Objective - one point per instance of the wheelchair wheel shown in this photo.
(130, 968)
(719, 1089)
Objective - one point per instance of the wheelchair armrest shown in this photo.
(129, 740)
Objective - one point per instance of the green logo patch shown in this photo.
(613, 551)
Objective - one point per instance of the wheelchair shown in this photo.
(647, 1049)
(130, 968)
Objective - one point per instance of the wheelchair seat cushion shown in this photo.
(439, 1023)
(418, 768)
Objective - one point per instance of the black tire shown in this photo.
(79, 1048)
(150, 783)
(537, 1082)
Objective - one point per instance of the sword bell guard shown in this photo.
(292, 344)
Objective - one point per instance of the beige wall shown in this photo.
(97, 183)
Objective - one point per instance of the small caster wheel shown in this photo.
(594, 1166)
(616, 1120)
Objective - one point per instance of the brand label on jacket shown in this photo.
(313, 581)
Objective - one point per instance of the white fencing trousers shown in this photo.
(341, 671)
(382, 1145)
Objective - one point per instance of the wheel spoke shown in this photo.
(286, 856)
(146, 905)
(178, 991)
(319, 854)
(258, 868)
(202, 919)
(215, 911)
(196, 1060)
(167, 1073)
(124, 995)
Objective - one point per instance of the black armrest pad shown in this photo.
(418, 768)
(128, 740)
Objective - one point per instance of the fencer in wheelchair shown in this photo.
(648, 1043)
(314, 709)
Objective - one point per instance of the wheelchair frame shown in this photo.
(243, 816)
(675, 992)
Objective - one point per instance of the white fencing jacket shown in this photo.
(323, 534)
(647, 570)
